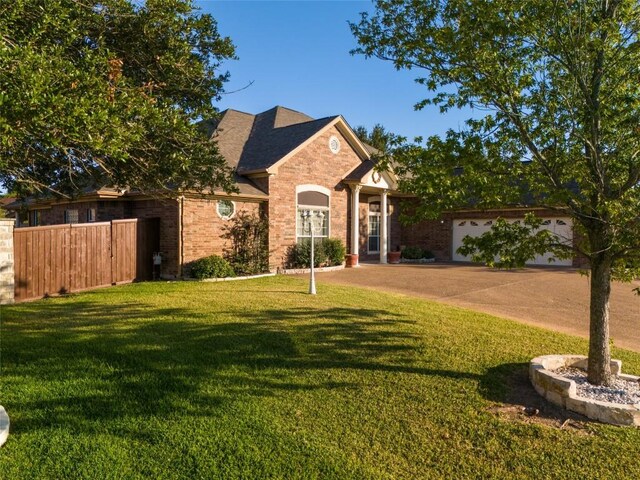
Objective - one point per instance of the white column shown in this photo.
(383, 227)
(355, 218)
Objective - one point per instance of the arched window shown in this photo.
(315, 200)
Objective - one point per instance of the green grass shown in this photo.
(256, 379)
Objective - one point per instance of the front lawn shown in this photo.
(257, 379)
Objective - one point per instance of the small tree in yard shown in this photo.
(248, 253)
(557, 91)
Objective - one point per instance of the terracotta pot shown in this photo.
(393, 257)
(351, 260)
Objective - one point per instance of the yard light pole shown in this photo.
(307, 215)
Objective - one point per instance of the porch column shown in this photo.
(384, 235)
(355, 219)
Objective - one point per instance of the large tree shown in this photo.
(108, 92)
(554, 86)
(378, 137)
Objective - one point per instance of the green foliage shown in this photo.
(334, 250)
(379, 138)
(416, 253)
(151, 378)
(299, 255)
(109, 93)
(511, 245)
(249, 251)
(213, 266)
(557, 83)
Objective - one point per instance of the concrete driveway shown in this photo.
(555, 298)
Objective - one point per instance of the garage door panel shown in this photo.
(462, 227)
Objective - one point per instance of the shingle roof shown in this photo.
(358, 173)
(256, 142)
(245, 187)
(6, 201)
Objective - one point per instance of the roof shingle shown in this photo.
(256, 142)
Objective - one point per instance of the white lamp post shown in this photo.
(307, 216)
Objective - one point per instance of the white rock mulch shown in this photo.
(622, 391)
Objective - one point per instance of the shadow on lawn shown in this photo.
(509, 384)
(96, 362)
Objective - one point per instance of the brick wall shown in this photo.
(314, 164)
(108, 210)
(203, 227)
(6, 261)
(434, 235)
(55, 214)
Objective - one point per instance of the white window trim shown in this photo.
(369, 215)
(224, 217)
(371, 200)
(312, 188)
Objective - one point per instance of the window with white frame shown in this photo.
(373, 229)
(225, 209)
(314, 200)
(91, 215)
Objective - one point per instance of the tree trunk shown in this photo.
(599, 369)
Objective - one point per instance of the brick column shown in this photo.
(6, 261)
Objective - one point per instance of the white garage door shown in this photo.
(561, 226)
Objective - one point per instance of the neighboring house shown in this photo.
(285, 163)
(4, 201)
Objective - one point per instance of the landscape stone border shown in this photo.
(4, 425)
(562, 391)
(233, 279)
(418, 260)
(298, 271)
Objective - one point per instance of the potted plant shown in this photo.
(394, 256)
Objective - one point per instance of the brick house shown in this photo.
(286, 163)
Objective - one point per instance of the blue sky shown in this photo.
(296, 53)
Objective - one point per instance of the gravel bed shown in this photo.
(622, 391)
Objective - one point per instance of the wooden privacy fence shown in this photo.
(67, 258)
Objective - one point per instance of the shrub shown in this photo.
(300, 254)
(412, 253)
(416, 253)
(335, 250)
(249, 251)
(211, 267)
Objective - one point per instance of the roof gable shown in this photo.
(262, 142)
(365, 174)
